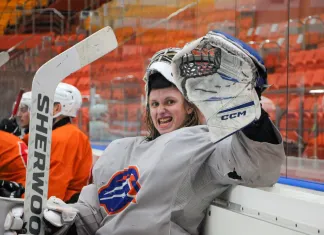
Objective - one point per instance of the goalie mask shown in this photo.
(222, 76)
(160, 63)
(70, 99)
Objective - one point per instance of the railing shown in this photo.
(56, 21)
(306, 22)
(55, 16)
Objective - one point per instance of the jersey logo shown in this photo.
(23, 151)
(120, 191)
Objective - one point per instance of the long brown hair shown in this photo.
(157, 81)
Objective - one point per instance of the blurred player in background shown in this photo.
(71, 153)
(13, 158)
(23, 115)
(99, 123)
(164, 182)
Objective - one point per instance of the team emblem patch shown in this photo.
(120, 190)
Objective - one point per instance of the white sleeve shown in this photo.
(240, 160)
(89, 217)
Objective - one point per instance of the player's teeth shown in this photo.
(164, 120)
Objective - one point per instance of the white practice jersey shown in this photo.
(164, 186)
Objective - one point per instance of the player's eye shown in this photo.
(154, 104)
(170, 102)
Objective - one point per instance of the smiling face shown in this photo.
(168, 109)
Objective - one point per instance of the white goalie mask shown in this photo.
(160, 63)
(70, 99)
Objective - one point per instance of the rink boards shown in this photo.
(280, 210)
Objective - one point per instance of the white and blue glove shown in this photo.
(224, 78)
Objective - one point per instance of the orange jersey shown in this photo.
(71, 161)
(13, 158)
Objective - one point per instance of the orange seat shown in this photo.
(282, 80)
(296, 79)
(319, 58)
(273, 80)
(318, 78)
(315, 147)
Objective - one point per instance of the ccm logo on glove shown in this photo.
(233, 115)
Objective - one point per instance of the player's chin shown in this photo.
(166, 129)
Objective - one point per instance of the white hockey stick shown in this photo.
(4, 57)
(43, 88)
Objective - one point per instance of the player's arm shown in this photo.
(224, 78)
(251, 157)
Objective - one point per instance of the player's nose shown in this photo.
(161, 109)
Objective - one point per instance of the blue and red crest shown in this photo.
(120, 191)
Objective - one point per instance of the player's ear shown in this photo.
(188, 107)
(57, 108)
(189, 110)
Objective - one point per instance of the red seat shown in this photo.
(315, 147)
(318, 78)
(273, 80)
(319, 58)
(296, 79)
(282, 80)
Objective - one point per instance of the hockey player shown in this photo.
(71, 153)
(13, 156)
(163, 184)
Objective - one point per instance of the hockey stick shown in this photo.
(43, 88)
(18, 99)
(4, 57)
(159, 22)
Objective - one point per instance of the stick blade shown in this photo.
(96, 46)
(74, 58)
(4, 57)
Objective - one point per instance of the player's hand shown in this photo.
(11, 189)
(10, 126)
(58, 216)
(14, 223)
